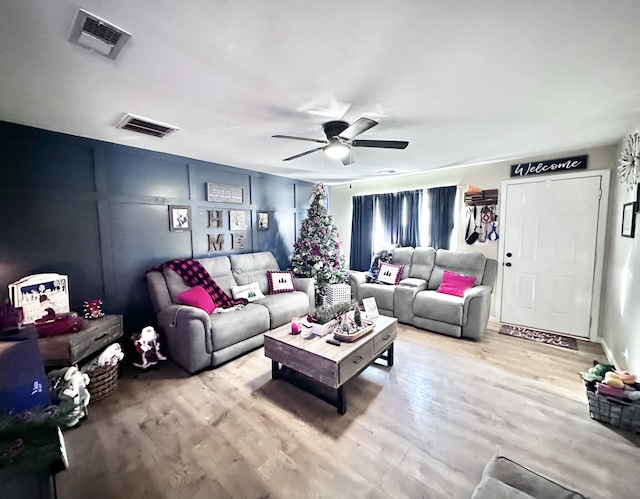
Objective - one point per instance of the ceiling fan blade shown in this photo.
(303, 154)
(319, 141)
(348, 159)
(355, 129)
(386, 144)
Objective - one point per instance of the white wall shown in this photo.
(620, 313)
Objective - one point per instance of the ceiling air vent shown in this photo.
(93, 32)
(146, 126)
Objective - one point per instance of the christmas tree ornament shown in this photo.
(93, 309)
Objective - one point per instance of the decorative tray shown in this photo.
(350, 337)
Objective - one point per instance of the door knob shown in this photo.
(509, 254)
(508, 264)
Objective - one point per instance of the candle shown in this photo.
(295, 325)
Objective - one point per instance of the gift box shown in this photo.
(337, 293)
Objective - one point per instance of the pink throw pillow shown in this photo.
(455, 284)
(197, 296)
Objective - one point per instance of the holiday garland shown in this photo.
(30, 439)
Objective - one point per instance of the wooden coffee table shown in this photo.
(328, 365)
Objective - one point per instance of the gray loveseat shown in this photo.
(415, 300)
(196, 340)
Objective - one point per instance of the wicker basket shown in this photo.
(615, 412)
(103, 381)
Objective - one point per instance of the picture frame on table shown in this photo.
(629, 219)
(179, 218)
(370, 308)
(263, 220)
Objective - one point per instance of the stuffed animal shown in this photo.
(69, 387)
(597, 372)
(148, 346)
(110, 357)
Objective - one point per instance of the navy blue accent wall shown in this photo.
(99, 212)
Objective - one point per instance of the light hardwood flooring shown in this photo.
(424, 428)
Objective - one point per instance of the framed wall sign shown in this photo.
(549, 166)
(225, 193)
(629, 219)
(179, 218)
(263, 220)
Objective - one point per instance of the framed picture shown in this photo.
(179, 218)
(370, 308)
(629, 219)
(36, 293)
(237, 220)
(263, 220)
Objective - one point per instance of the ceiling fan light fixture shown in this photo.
(337, 150)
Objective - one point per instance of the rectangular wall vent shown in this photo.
(146, 126)
(91, 31)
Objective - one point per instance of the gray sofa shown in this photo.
(196, 340)
(415, 300)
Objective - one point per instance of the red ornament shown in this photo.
(93, 309)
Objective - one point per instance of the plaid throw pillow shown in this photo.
(390, 273)
(280, 281)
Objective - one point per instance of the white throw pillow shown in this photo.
(250, 292)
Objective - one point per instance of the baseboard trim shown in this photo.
(607, 351)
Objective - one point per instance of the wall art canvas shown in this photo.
(36, 293)
(237, 220)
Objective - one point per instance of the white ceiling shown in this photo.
(464, 82)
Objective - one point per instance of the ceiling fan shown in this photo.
(340, 140)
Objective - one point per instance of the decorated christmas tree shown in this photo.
(317, 252)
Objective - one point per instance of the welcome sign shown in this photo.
(549, 166)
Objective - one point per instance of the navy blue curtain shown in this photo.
(390, 209)
(413, 207)
(361, 232)
(442, 202)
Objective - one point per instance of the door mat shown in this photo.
(557, 340)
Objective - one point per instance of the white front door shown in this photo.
(549, 236)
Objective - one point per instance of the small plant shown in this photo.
(322, 315)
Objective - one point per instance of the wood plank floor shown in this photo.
(422, 429)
